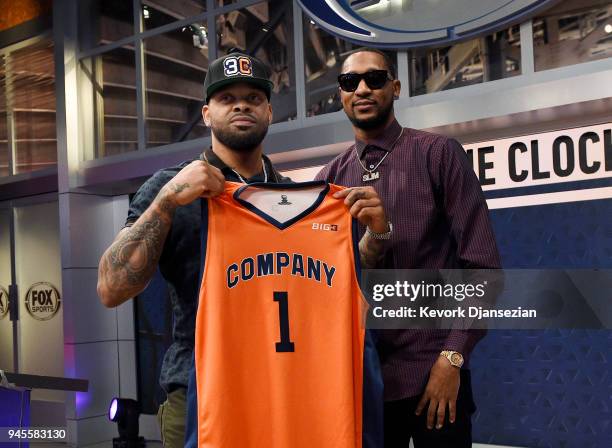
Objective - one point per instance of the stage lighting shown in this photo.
(125, 413)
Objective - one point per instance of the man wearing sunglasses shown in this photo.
(440, 220)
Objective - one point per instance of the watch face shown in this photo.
(457, 359)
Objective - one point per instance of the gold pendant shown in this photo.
(371, 176)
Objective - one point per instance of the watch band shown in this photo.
(455, 358)
(381, 236)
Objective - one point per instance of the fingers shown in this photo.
(452, 411)
(436, 411)
(217, 173)
(431, 413)
(422, 403)
(214, 184)
(370, 213)
(358, 194)
(208, 169)
(364, 206)
(342, 193)
(441, 414)
(218, 185)
(213, 179)
(352, 195)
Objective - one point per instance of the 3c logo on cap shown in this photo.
(233, 66)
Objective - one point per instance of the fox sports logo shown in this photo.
(413, 23)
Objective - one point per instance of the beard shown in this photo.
(374, 122)
(240, 141)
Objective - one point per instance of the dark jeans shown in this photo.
(401, 424)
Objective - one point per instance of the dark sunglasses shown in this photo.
(375, 79)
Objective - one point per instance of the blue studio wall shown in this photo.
(553, 388)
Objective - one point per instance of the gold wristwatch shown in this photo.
(455, 358)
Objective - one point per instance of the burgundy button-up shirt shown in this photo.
(440, 220)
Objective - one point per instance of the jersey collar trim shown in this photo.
(270, 219)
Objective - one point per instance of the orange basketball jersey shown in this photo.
(279, 348)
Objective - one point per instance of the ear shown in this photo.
(397, 89)
(206, 115)
(270, 114)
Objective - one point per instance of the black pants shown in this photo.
(401, 423)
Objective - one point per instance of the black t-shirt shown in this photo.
(179, 262)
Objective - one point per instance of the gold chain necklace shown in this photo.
(373, 174)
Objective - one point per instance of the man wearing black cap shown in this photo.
(164, 218)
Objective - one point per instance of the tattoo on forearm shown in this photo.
(370, 251)
(131, 260)
(166, 207)
(179, 187)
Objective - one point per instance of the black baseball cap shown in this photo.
(237, 66)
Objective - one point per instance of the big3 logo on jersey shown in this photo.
(240, 65)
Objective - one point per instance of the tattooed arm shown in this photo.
(371, 251)
(130, 262)
(365, 205)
